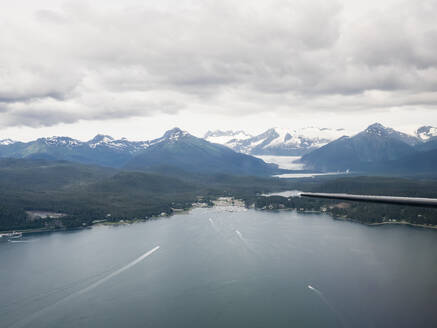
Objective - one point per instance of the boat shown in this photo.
(11, 235)
(15, 235)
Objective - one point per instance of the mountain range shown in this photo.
(101, 150)
(181, 150)
(276, 141)
(175, 150)
(377, 148)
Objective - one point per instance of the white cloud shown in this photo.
(65, 62)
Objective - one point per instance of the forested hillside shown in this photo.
(82, 194)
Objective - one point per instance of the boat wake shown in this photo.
(213, 224)
(246, 244)
(240, 236)
(116, 273)
(328, 304)
(43, 311)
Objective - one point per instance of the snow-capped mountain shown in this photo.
(179, 150)
(323, 148)
(6, 142)
(100, 142)
(276, 141)
(175, 150)
(373, 145)
(426, 133)
(171, 136)
(105, 141)
(382, 131)
(224, 137)
(60, 141)
(101, 150)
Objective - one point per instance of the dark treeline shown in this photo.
(88, 193)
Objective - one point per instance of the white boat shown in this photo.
(11, 235)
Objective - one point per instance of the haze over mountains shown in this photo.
(377, 148)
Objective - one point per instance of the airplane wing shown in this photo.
(410, 201)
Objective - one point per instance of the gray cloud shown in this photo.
(81, 62)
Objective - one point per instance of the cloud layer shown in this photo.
(65, 62)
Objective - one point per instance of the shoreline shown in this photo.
(106, 223)
(413, 225)
(220, 202)
(401, 223)
(42, 230)
(377, 224)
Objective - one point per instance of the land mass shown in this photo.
(41, 195)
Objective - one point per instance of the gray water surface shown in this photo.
(215, 268)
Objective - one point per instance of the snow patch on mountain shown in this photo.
(60, 141)
(382, 131)
(225, 137)
(7, 142)
(426, 133)
(174, 135)
(105, 141)
(276, 141)
(101, 140)
(171, 136)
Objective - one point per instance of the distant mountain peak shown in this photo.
(225, 137)
(426, 133)
(175, 134)
(101, 138)
(377, 128)
(59, 140)
(376, 125)
(6, 142)
(375, 144)
(380, 130)
(227, 133)
(277, 130)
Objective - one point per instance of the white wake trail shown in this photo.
(116, 273)
(245, 243)
(324, 299)
(32, 317)
(213, 224)
(239, 235)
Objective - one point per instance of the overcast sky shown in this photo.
(137, 68)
